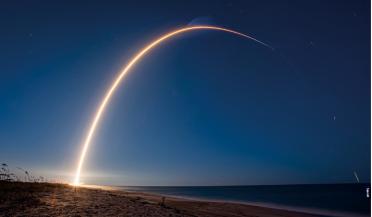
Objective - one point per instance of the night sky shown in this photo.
(205, 108)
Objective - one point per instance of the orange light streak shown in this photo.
(122, 74)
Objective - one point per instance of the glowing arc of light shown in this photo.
(120, 77)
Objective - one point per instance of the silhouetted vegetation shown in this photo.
(7, 175)
(15, 195)
(18, 192)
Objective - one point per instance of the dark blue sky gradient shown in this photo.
(206, 108)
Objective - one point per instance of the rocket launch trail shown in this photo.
(137, 57)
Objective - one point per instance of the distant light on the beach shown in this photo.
(74, 184)
(76, 181)
(120, 77)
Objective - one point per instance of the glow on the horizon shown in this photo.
(120, 77)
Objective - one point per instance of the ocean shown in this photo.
(348, 199)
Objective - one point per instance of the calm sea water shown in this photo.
(344, 198)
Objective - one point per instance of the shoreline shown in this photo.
(313, 211)
(47, 199)
(305, 210)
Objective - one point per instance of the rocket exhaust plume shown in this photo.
(137, 57)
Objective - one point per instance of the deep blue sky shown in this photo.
(206, 108)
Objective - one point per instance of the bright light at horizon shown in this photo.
(120, 77)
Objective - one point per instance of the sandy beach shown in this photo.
(45, 199)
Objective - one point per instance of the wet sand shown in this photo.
(45, 199)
